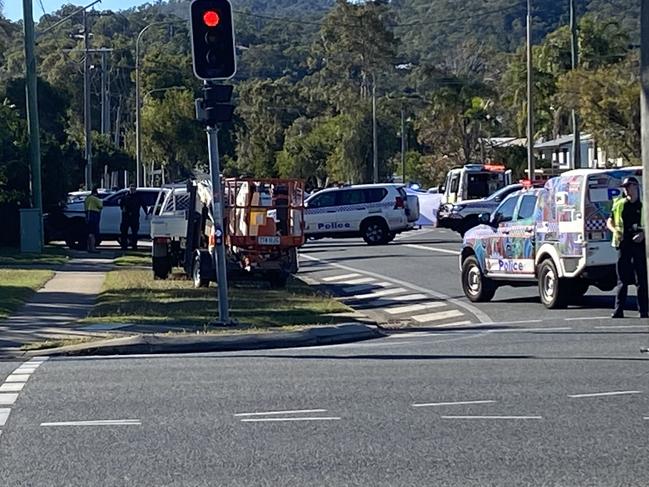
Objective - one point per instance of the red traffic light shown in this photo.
(211, 18)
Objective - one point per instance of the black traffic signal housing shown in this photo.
(212, 35)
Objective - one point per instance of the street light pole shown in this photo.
(86, 102)
(403, 141)
(530, 99)
(31, 84)
(576, 141)
(375, 149)
(644, 107)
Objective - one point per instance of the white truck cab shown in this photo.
(474, 181)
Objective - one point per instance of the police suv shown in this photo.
(375, 212)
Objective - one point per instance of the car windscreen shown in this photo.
(482, 184)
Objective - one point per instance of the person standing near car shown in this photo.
(93, 206)
(627, 225)
(130, 205)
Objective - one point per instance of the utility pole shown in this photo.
(86, 102)
(530, 97)
(576, 141)
(375, 151)
(31, 85)
(644, 107)
(403, 141)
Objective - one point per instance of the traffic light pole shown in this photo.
(218, 253)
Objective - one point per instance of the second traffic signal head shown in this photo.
(212, 36)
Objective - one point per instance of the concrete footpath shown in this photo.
(54, 310)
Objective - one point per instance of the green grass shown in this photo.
(51, 256)
(137, 258)
(132, 296)
(18, 285)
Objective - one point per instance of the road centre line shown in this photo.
(481, 315)
(414, 307)
(432, 249)
(268, 420)
(269, 413)
(604, 394)
(458, 403)
(441, 315)
(340, 277)
(376, 294)
(492, 417)
(101, 422)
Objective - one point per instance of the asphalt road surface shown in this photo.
(551, 403)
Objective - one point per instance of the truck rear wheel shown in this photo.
(477, 287)
(552, 289)
(161, 267)
(197, 278)
(277, 279)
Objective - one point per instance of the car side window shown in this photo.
(351, 197)
(526, 210)
(455, 183)
(376, 195)
(323, 200)
(505, 212)
(148, 198)
(113, 200)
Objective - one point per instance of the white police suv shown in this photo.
(376, 212)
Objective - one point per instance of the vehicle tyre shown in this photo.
(552, 289)
(391, 237)
(277, 279)
(77, 237)
(161, 267)
(375, 232)
(197, 278)
(476, 286)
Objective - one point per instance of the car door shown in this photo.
(519, 244)
(111, 215)
(148, 198)
(352, 209)
(320, 213)
(496, 261)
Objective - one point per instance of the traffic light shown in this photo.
(212, 34)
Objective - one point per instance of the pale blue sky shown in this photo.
(14, 8)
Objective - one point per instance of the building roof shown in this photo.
(561, 141)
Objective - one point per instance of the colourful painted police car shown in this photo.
(554, 237)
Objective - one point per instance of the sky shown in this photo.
(14, 8)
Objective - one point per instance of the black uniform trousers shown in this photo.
(631, 269)
(132, 223)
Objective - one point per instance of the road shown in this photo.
(555, 402)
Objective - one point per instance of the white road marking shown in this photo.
(492, 417)
(589, 318)
(457, 323)
(459, 403)
(414, 307)
(25, 370)
(365, 287)
(17, 378)
(481, 315)
(613, 327)
(37, 360)
(521, 330)
(409, 297)
(7, 399)
(604, 394)
(440, 315)
(267, 420)
(360, 280)
(12, 387)
(4, 415)
(433, 249)
(377, 294)
(269, 413)
(340, 278)
(101, 422)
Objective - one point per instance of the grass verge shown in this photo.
(18, 285)
(136, 258)
(132, 296)
(51, 256)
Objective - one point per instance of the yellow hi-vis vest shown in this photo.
(618, 223)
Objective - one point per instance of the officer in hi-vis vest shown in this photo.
(627, 225)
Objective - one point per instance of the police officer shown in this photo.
(626, 224)
(130, 205)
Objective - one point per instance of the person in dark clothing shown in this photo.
(130, 205)
(627, 224)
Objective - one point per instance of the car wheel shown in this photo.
(552, 289)
(376, 232)
(277, 279)
(197, 278)
(476, 286)
(161, 267)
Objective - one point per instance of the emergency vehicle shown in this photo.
(555, 237)
(473, 182)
